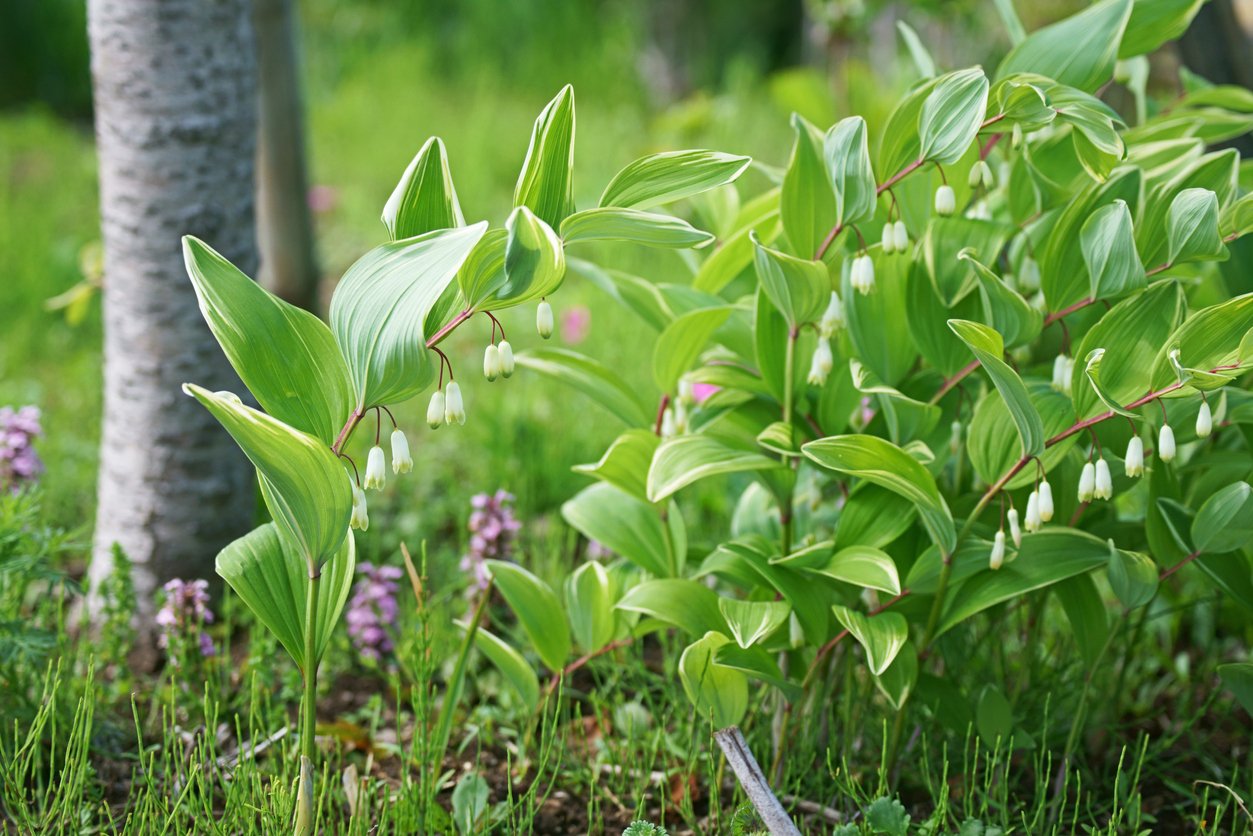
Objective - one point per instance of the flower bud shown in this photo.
(945, 200)
(454, 408)
(832, 317)
(680, 417)
(506, 358)
(1046, 501)
(1015, 532)
(862, 276)
(997, 559)
(822, 363)
(1204, 421)
(360, 519)
(1166, 444)
(1033, 512)
(375, 470)
(901, 236)
(1063, 372)
(491, 362)
(1133, 465)
(402, 462)
(1087, 482)
(981, 175)
(544, 319)
(888, 239)
(1104, 482)
(668, 428)
(955, 431)
(435, 410)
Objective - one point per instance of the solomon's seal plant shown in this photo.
(889, 411)
(316, 385)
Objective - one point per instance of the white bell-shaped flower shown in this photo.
(506, 358)
(822, 363)
(1166, 444)
(901, 236)
(1087, 482)
(360, 518)
(687, 392)
(1204, 421)
(375, 470)
(832, 317)
(888, 239)
(435, 410)
(668, 427)
(491, 362)
(454, 407)
(402, 462)
(1046, 501)
(1063, 372)
(997, 558)
(945, 200)
(1104, 482)
(1032, 520)
(861, 276)
(544, 319)
(1015, 531)
(1133, 464)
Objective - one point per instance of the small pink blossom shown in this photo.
(702, 391)
(323, 199)
(576, 322)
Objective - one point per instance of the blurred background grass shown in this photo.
(379, 77)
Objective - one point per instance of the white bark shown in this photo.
(753, 782)
(175, 129)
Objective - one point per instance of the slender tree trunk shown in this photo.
(284, 230)
(175, 130)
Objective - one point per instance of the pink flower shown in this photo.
(702, 391)
(322, 199)
(575, 324)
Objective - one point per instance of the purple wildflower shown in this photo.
(184, 616)
(372, 611)
(493, 528)
(19, 462)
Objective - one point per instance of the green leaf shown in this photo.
(686, 459)
(625, 464)
(538, 609)
(1092, 370)
(425, 199)
(1154, 22)
(284, 355)
(881, 636)
(753, 621)
(648, 228)
(510, 663)
(873, 517)
(987, 347)
(673, 175)
(863, 566)
(273, 581)
(1238, 677)
(483, 274)
(307, 490)
(1044, 559)
(380, 305)
(847, 156)
(545, 182)
(1225, 521)
(952, 114)
(883, 463)
(897, 682)
(1133, 329)
(758, 664)
(800, 289)
(807, 203)
(993, 442)
(994, 717)
(535, 262)
(1086, 613)
(1022, 104)
(749, 562)
(1209, 338)
(681, 343)
(1013, 26)
(591, 378)
(589, 602)
(877, 322)
(688, 605)
(1079, 51)
(1005, 309)
(942, 246)
(1132, 576)
(760, 215)
(623, 524)
(718, 692)
(922, 58)
(1109, 250)
(1192, 227)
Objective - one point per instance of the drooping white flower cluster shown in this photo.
(861, 274)
(895, 238)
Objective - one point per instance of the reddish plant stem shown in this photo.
(583, 660)
(450, 327)
(1173, 569)
(346, 430)
(989, 145)
(1159, 268)
(899, 176)
(828, 241)
(992, 120)
(661, 413)
(954, 380)
(1067, 311)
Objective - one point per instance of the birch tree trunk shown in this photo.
(284, 228)
(175, 131)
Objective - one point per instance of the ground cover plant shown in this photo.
(925, 481)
